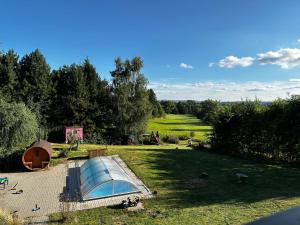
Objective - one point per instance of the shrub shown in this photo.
(95, 138)
(64, 152)
(6, 219)
(170, 139)
(253, 129)
(183, 138)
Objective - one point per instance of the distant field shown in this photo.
(178, 125)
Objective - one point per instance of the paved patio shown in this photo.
(46, 188)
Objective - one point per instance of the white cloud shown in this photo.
(211, 64)
(286, 58)
(186, 66)
(294, 80)
(298, 40)
(226, 91)
(233, 61)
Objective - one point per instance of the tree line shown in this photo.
(249, 128)
(255, 129)
(206, 110)
(75, 94)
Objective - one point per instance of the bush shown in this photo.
(7, 219)
(183, 138)
(63, 152)
(252, 129)
(94, 138)
(170, 139)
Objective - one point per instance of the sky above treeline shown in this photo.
(226, 50)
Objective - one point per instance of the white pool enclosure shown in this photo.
(102, 177)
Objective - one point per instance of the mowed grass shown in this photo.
(170, 170)
(178, 125)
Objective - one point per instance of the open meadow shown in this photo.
(179, 125)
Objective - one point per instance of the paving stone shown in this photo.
(45, 187)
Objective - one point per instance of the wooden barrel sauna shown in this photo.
(38, 155)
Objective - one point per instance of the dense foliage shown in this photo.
(76, 95)
(180, 107)
(253, 129)
(207, 110)
(131, 105)
(19, 127)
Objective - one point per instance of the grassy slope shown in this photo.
(169, 169)
(178, 125)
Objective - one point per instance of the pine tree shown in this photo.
(70, 103)
(34, 78)
(34, 84)
(8, 74)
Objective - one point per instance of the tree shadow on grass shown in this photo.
(175, 169)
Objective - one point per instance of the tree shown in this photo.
(9, 68)
(169, 106)
(98, 114)
(70, 103)
(19, 127)
(182, 107)
(209, 110)
(34, 83)
(130, 97)
(157, 110)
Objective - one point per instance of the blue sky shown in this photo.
(227, 50)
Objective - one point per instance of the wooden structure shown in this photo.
(76, 131)
(38, 155)
(97, 152)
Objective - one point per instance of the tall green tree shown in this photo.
(70, 103)
(34, 83)
(9, 68)
(209, 111)
(157, 110)
(34, 78)
(130, 97)
(98, 114)
(169, 106)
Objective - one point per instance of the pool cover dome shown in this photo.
(102, 177)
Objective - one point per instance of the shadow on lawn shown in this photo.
(176, 169)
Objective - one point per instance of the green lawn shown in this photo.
(171, 169)
(178, 125)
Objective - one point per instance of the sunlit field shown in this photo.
(179, 125)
